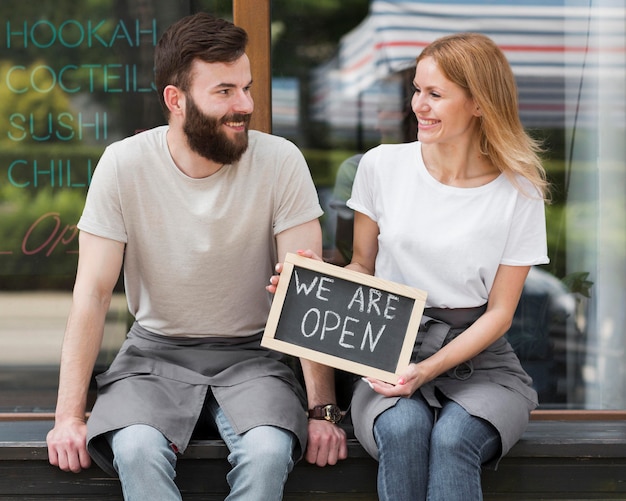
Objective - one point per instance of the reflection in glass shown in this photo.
(76, 76)
(569, 61)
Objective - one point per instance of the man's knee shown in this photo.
(270, 446)
(140, 445)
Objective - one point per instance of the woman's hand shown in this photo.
(279, 269)
(408, 383)
(274, 279)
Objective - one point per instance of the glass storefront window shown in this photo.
(76, 76)
(569, 60)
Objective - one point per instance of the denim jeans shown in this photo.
(261, 459)
(423, 458)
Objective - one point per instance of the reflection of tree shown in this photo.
(31, 113)
(80, 40)
(304, 35)
(141, 110)
(19, 11)
(44, 172)
(108, 30)
(31, 41)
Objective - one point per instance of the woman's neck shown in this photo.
(463, 167)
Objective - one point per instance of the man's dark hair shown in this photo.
(199, 36)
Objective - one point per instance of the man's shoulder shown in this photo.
(135, 155)
(149, 137)
(263, 143)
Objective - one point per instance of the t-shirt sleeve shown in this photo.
(526, 244)
(362, 197)
(102, 214)
(297, 201)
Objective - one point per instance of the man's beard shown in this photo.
(206, 138)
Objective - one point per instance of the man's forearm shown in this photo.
(81, 344)
(320, 383)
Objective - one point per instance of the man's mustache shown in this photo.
(237, 117)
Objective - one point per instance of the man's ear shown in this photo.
(174, 99)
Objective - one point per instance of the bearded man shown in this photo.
(197, 212)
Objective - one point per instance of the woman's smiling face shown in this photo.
(444, 110)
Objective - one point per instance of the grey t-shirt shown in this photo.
(199, 252)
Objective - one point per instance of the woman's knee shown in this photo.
(403, 424)
(465, 435)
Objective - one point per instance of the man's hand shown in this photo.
(67, 445)
(327, 443)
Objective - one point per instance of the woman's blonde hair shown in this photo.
(475, 63)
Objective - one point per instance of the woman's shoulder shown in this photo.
(523, 186)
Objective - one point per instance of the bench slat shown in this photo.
(580, 460)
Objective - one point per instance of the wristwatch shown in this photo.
(329, 412)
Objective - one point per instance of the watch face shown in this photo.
(332, 413)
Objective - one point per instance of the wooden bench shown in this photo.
(555, 459)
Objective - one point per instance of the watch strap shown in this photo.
(328, 412)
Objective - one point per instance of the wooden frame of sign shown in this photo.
(347, 320)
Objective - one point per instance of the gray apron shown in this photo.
(163, 381)
(492, 385)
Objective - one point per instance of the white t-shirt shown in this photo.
(445, 240)
(199, 252)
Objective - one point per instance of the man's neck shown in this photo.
(188, 161)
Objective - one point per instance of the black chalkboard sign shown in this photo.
(344, 319)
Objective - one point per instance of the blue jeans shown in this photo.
(261, 459)
(423, 458)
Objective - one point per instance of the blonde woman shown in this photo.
(460, 214)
